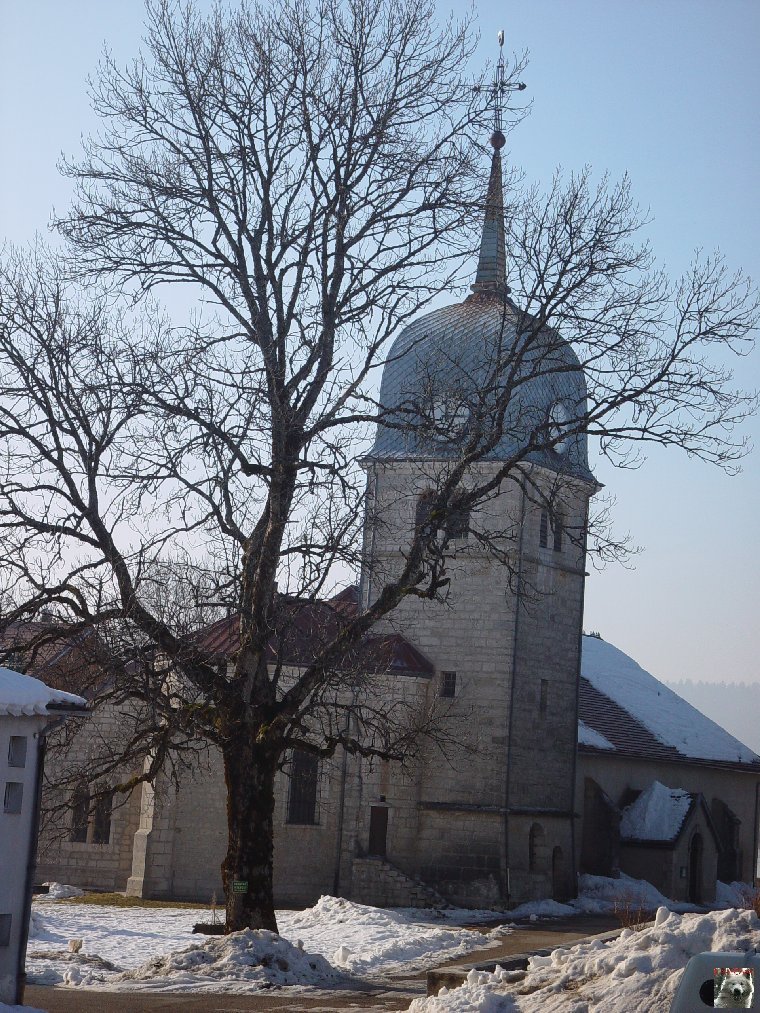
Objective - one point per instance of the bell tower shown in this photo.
(488, 819)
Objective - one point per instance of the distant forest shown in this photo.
(735, 706)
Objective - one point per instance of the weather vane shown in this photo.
(496, 91)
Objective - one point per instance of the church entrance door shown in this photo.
(378, 830)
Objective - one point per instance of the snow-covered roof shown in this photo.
(587, 736)
(656, 815)
(22, 694)
(639, 715)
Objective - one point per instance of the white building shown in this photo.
(28, 710)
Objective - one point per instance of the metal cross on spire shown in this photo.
(496, 92)
(491, 275)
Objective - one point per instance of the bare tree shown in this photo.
(311, 173)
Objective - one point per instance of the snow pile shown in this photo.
(22, 694)
(615, 977)
(733, 894)
(656, 815)
(669, 718)
(588, 736)
(600, 894)
(252, 959)
(61, 891)
(374, 940)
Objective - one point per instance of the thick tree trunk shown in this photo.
(247, 868)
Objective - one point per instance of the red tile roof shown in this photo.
(629, 736)
(301, 628)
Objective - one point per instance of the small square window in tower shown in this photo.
(302, 800)
(448, 684)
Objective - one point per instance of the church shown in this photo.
(564, 756)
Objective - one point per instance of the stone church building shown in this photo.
(555, 769)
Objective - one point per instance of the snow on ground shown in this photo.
(670, 718)
(340, 936)
(615, 977)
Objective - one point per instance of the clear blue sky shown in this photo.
(668, 91)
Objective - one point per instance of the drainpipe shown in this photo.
(577, 707)
(342, 802)
(518, 603)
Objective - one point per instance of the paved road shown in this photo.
(391, 994)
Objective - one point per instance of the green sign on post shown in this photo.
(240, 886)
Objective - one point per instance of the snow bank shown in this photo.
(600, 894)
(615, 977)
(372, 940)
(669, 718)
(252, 959)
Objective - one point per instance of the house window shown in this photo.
(5, 929)
(101, 819)
(448, 684)
(543, 531)
(80, 814)
(17, 751)
(544, 697)
(14, 796)
(302, 803)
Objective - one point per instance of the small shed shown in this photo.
(28, 710)
(667, 836)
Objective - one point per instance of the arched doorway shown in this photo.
(695, 869)
(559, 890)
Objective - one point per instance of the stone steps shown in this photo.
(378, 882)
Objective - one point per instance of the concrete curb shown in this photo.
(453, 977)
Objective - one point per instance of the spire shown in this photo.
(491, 276)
